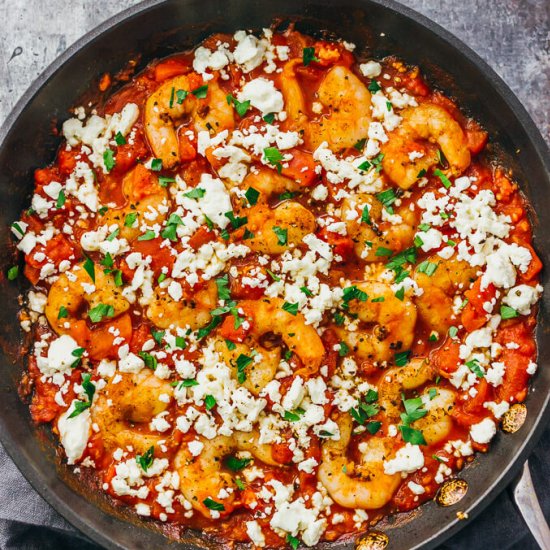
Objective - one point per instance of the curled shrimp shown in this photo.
(205, 476)
(277, 229)
(164, 109)
(268, 182)
(258, 374)
(146, 202)
(268, 317)
(388, 325)
(124, 407)
(75, 289)
(362, 485)
(438, 402)
(394, 233)
(405, 156)
(396, 380)
(435, 305)
(343, 96)
(192, 310)
(438, 423)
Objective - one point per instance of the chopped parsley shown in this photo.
(507, 312)
(13, 273)
(97, 313)
(236, 464)
(274, 157)
(109, 160)
(145, 461)
(308, 55)
(291, 308)
(252, 195)
(60, 199)
(240, 106)
(89, 390)
(444, 179)
(282, 235)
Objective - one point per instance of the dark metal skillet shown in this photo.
(156, 29)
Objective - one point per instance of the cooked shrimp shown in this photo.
(425, 122)
(277, 229)
(268, 182)
(75, 289)
(258, 374)
(435, 305)
(438, 402)
(437, 424)
(369, 237)
(203, 476)
(146, 202)
(342, 94)
(389, 323)
(164, 110)
(364, 485)
(192, 310)
(399, 379)
(124, 407)
(268, 317)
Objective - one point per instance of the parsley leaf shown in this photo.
(274, 157)
(236, 464)
(291, 308)
(308, 55)
(282, 235)
(145, 461)
(97, 313)
(240, 107)
(109, 160)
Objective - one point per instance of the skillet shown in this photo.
(155, 29)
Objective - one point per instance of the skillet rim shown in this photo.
(540, 147)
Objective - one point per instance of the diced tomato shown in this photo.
(186, 147)
(141, 182)
(80, 332)
(201, 236)
(474, 404)
(476, 136)
(32, 273)
(241, 291)
(139, 336)
(161, 256)
(170, 68)
(128, 154)
(535, 266)
(514, 382)
(281, 453)
(301, 168)
(474, 315)
(342, 245)
(66, 160)
(229, 332)
(446, 358)
(416, 85)
(102, 337)
(57, 249)
(43, 176)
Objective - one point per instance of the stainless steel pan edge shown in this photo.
(23, 148)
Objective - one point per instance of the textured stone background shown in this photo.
(512, 35)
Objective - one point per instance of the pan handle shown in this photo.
(529, 507)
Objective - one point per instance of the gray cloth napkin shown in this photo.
(27, 522)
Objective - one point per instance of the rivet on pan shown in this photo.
(373, 540)
(514, 418)
(451, 492)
